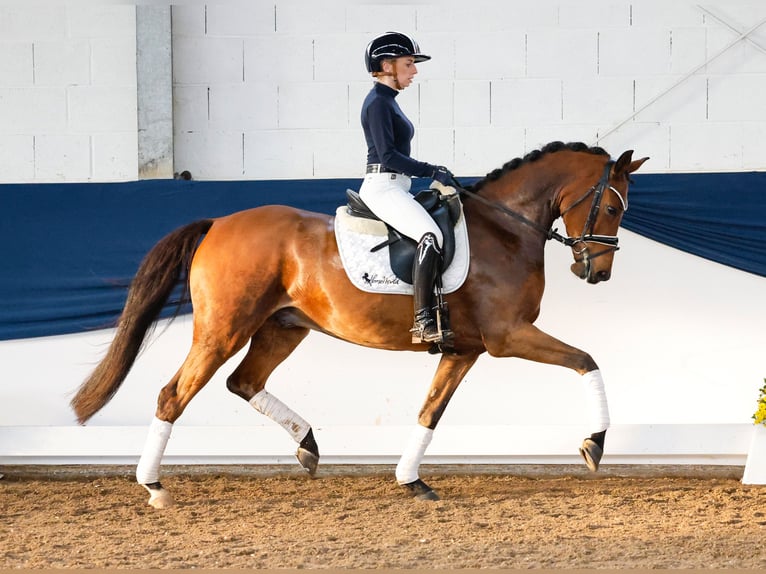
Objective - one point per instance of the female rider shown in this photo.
(391, 58)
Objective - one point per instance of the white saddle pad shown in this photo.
(372, 272)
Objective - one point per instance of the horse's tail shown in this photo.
(159, 272)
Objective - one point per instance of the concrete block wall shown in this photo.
(67, 92)
(272, 89)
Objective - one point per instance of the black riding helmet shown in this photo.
(391, 45)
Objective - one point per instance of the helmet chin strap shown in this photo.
(397, 85)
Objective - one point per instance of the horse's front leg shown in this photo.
(450, 372)
(529, 342)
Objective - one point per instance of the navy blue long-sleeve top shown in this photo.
(388, 133)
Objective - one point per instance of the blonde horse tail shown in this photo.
(159, 273)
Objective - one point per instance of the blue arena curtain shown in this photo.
(718, 216)
(69, 251)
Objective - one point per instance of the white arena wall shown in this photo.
(679, 340)
(272, 90)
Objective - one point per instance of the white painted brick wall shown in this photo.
(64, 63)
(472, 103)
(526, 101)
(209, 154)
(736, 98)
(68, 93)
(245, 19)
(62, 157)
(207, 60)
(94, 109)
(437, 104)
(505, 76)
(32, 110)
(318, 105)
(496, 55)
(250, 105)
(37, 22)
(634, 52)
(16, 64)
(18, 153)
(261, 87)
(687, 102)
(556, 53)
(699, 146)
(598, 100)
(753, 145)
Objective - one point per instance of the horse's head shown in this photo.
(593, 216)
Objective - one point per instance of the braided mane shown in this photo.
(534, 155)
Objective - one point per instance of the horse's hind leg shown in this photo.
(450, 372)
(271, 345)
(196, 371)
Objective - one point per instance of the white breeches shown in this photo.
(388, 196)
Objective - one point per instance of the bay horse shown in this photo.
(271, 274)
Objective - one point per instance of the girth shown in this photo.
(445, 211)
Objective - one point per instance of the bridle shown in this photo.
(587, 235)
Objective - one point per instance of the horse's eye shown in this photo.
(611, 210)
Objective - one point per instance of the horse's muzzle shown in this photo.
(584, 270)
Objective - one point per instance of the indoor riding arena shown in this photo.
(268, 410)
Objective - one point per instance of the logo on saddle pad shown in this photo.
(365, 247)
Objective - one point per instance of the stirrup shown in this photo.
(425, 330)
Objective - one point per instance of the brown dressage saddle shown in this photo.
(445, 211)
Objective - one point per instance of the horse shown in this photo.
(269, 275)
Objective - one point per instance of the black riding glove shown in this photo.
(443, 175)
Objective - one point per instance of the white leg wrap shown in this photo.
(148, 469)
(595, 397)
(269, 405)
(407, 469)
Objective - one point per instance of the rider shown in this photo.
(391, 59)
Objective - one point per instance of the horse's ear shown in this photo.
(634, 165)
(624, 165)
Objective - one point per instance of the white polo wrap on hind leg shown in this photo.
(595, 398)
(407, 469)
(269, 405)
(148, 469)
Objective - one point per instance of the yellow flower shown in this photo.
(760, 414)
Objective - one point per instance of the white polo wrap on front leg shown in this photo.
(148, 469)
(407, 469)
(596, 404)
(269, 405)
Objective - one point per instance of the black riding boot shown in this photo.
(424, 269)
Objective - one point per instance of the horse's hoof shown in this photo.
(591, 454)
(159, 497)
(309, 461)
(420, 490)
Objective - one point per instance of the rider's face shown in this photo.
(403, 68)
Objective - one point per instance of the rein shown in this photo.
(586, 236)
